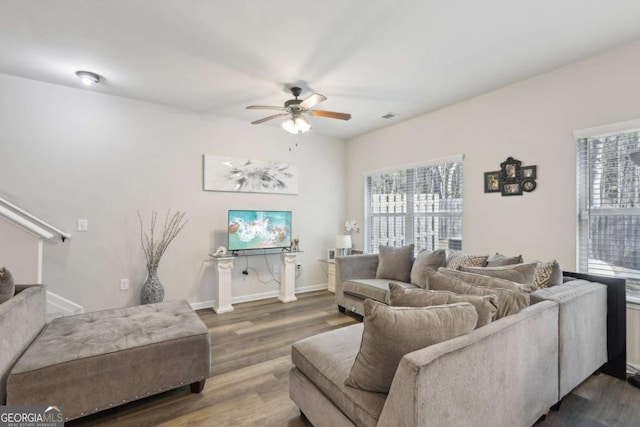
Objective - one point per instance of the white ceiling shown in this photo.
(369, 57)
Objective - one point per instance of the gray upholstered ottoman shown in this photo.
(95, 361)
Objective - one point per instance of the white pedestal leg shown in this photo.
(223, 300)
(287, 277)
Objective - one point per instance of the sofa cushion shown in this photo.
(486, 281)
(499, 260)
(486, 306)
(426, 259)
(7, 285)
(391, 332)
(395, 263)
(458, 259)
(376, 289)
(510, 302)
(519, 273)
(547, 274)
(326, 360)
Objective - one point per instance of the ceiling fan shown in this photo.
(298, 123)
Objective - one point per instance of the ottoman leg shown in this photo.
(197, 386)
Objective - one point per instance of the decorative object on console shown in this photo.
(343, 245)
(152, 291)
(295, 244)
(331, 254)
(221, 251)
(241, 174)
(512, 178)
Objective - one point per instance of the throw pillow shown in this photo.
(7, 285)
(547, 274)
(458, 259)
(395, 263)
(424, 260)
(486, 281)
(486, 306)
(391, 332)
(510, 302)
(499, 260)
(519, 273)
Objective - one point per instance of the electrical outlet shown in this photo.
(124, 284)
(276, 269)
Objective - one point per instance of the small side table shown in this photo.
(331, 274)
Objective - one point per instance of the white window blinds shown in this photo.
(609, 205)
(419, 204)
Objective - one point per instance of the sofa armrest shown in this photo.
(505, 373)
(582, 325)
(354, 267)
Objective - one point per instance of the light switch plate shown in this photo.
(83, 225)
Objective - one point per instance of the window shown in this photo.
(418, 204)
(609, 205)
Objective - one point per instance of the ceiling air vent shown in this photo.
(388, 116)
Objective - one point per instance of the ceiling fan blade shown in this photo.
(330, 114)
(263, 107)
(312, 100)
(266, 119)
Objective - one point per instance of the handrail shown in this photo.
(31, 223)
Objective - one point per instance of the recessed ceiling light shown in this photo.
(88, 78)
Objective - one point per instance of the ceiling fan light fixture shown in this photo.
(88, 78)
(296, 124)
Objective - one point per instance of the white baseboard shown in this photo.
(256, 297)
(58, 306)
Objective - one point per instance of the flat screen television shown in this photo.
(258, 230)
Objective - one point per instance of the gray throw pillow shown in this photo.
(519, 273)
(395, 263)
(424, 260)
(486, 306)
(510, 302)
(547, 274)
(7, 285)
(391, 332)
(486, 281)
(499, 260)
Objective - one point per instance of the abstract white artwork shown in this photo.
(240, 174)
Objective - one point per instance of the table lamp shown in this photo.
(343, 245)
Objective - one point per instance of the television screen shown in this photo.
(259, 230)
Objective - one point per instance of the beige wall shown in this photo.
(19, 253)
(532, 121)
(72, 153)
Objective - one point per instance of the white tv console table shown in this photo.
(225, 268)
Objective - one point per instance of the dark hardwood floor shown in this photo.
(251, 360)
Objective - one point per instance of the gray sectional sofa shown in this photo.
(507, 373)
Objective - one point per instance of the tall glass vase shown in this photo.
(152, 291)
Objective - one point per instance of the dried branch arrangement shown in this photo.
(154, 248)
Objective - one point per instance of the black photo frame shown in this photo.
(512, 189)
(510, 171)
(492, 182)
(529, 172)
(529, 185)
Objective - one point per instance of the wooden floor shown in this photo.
(250, 363)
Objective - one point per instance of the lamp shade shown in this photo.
(343, 242)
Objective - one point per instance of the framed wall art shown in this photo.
(246, 175)
(512, 179)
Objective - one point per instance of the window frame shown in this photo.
(408, 216)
